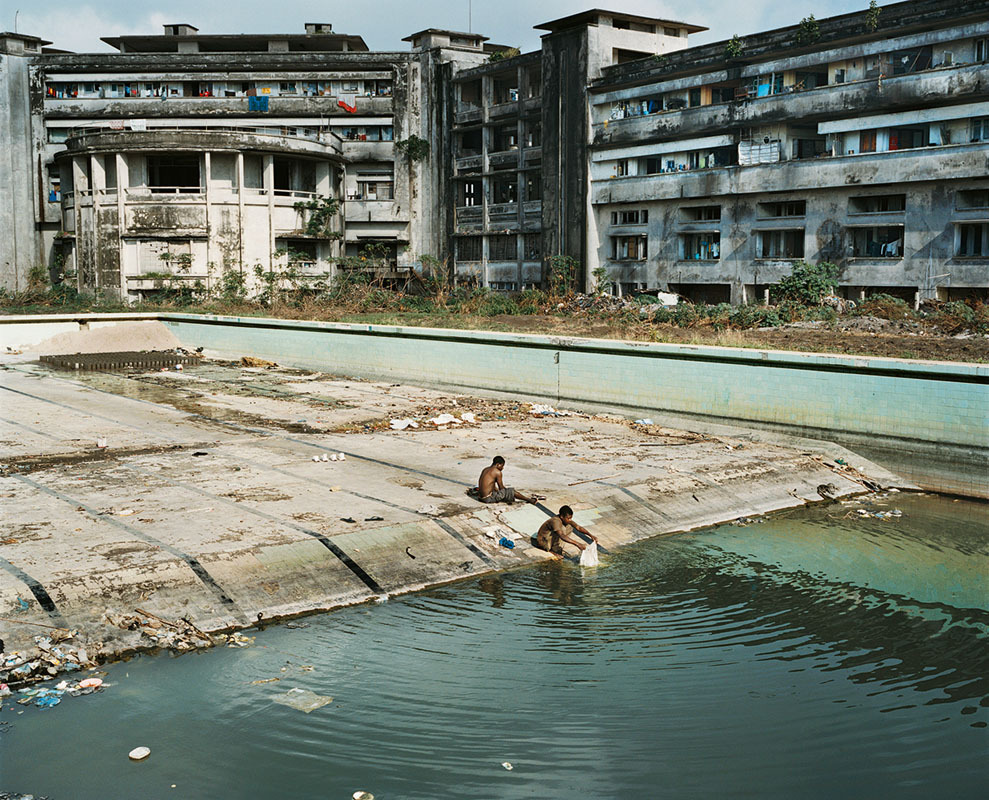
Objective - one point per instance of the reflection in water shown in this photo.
(809, 656)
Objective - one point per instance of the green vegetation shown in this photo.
(318, 214)
(872, 16)
(413, 148)
(734, 48)
(502, 55)
(809, 31)
(808, 284)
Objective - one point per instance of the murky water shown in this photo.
(808, 656)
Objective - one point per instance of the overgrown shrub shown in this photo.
(807, 283)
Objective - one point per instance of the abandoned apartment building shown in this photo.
(861, 139)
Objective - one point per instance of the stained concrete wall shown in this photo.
(19, 246)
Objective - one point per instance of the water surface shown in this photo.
(807, 656)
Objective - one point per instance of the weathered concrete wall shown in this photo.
(19, 245)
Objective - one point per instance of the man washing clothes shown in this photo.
(558, 529)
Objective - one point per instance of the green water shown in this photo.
(807, 656)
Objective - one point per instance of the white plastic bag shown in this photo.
(589, 555)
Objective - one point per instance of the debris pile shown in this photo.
(54, 654)
(48, 697)
(180, 636)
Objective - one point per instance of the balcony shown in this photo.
(947, 162)
(157, 107)
(467, 113)
(903, 92)
(504, 158)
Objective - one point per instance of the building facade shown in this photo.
(862, 140)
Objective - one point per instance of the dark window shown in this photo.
(877, 242)
(781, 244)
(469, 248)
(701, 213)
(973, 240)
(173, 173)
(877, 204)
(700, 246)
(533, 244)
(629, 248)
(502, 247)
(789, 208)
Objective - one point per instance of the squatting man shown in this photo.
(558, 529)
(492, 490)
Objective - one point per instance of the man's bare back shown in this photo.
(491, 488)
(558, 529)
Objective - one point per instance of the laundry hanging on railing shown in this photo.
(258, 103)
(348, 102)
(758, 152)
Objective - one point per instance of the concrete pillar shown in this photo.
(80, 185)
(269, 189)
(123, 181)
(208, 176)
(240, 211)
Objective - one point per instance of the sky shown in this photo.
(78, 25)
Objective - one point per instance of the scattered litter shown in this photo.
(402, 424)
(264, 680)
(250, 361)
(325, 457)
(101, 442)
(238, 640)
(542, 410)
(181, 635)
(302, 700)
(91, 683)
(374, 519)
(341, 456)
(126, 512)
(139, 753)
(334, 488)
(316, 459)
(408, 552)
(22, 604)
(589, 555)
(504, 541)
(295, 625)
(444, 419)
(428, 508)
(468, 417)
(507, 765)
(362, 795)
(645, 421)
(200, 453)
(864, 512)
(348, 519)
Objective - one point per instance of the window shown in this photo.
(532, 246)
(533, 134)
(877, 204)
(701, 213)
(470, 193)
(629, 248)
(502, 247)
(503, 286)
(973, 240)
(723, 94)
(980, 129)
(505, 191)
(694, 97)
(700, 246)
(780, 244)
(636, 217)
(533, 185)
(298, 252)
(621, 168)
(470, 93)
(469, 144)
(867, 142)
(178, 173)
(972, 198)
(469, 248)
(809, 148)
(506, 138)
(671, 32)
(790, 208)
(877, 242)
(907, 138)
(982, 49)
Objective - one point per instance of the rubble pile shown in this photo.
(180, 636)
(54, 653)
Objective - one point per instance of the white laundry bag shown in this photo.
(589, 555)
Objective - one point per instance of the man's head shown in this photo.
(498, 461)
(566, 513)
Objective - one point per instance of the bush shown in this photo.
(884, 306)
(807, 284)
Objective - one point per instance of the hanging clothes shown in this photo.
(348, 102)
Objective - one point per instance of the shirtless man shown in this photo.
(492, 490)
(557, 529)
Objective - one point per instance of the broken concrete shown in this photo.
(206, 506)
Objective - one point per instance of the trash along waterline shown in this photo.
(812, 654)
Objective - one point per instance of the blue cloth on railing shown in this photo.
(257, 103)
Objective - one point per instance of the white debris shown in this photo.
(445, 419)
(302, 700)
(402, 424)
(139, 753)
(468, 417)
(589, 555)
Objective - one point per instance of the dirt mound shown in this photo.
(119, 337)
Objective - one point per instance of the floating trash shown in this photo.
(507, 765)
(362, 795)
(139, 753)
(302, 700)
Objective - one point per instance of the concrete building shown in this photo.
(861, 139)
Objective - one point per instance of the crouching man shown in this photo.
(558, 529)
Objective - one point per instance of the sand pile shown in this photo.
(117, 338)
